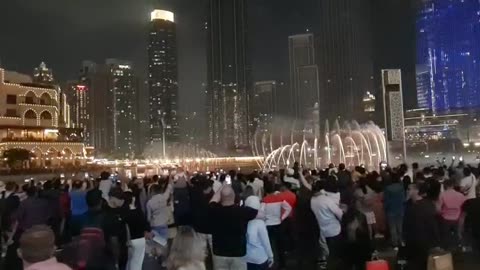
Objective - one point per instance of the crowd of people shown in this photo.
(308, 219)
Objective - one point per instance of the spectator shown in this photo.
(229, 228)
(329, 216)
(259, 251)
(160, 212)
(421, 228)
(394, 200)
(469, 223)
(364, 197)
(115, 215)
(78, 206)
(256, 184)
(105, 185)
(139, 229)
(468, 184)
(37, 249)
(450, 202)
(277, 209)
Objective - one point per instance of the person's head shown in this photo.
(331, 184)
(467, 171)
(104, 175)
(57, 184)
(449, 184)
(48, 185)
(461, 164)
(117, 198)
(77, 184)
(187, 249)
(269, 187)
(156, 189)
(227, 196)
(318, 186)
(341, 167)
(10, 186)
(415, 166)
(396, 177)
(94, 199)
(427, 171)
(232, 174)
(37, 244)
(31, 191)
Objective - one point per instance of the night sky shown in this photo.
(63, 33)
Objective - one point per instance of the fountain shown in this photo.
(352, 144)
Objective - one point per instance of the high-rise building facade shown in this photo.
(163, 77)
(80, 100)
(42, 74)
(424, 98)
(228, 74)
(303, 74)
(448, 42)
(344, 57)
(123, 90)
(264, 104)
(105, 105)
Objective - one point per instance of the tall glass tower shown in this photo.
(228, 74)
(163, 77)
(448, 43)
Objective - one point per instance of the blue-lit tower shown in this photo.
(448, 43)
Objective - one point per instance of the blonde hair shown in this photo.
(187, 249)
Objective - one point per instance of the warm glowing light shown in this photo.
(159, 14)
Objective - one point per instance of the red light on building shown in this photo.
(81, 87)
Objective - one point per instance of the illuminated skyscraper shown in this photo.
(163, 77)
(264, 104)
(79, 102)
(303, 74)
(344, 56)
(105, 104)
(42, 74)
(448, 42)
(228, 74)
(424, 98)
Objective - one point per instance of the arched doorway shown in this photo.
(46, 99)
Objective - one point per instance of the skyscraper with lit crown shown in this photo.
(163, 77)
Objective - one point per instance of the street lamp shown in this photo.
(162, 121)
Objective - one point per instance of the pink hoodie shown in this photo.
(50, 264)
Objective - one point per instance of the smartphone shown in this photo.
(453, 158)
(228, 180)
(62, 175)
(86, 175)
(460, 158)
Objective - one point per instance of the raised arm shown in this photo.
(305, 182)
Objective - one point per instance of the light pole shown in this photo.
(163, 135)
(162, 121)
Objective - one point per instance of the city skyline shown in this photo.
(342, 69)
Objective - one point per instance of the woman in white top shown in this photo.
(259, 251)
(468, 185)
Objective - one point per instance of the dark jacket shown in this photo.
(394, 199)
